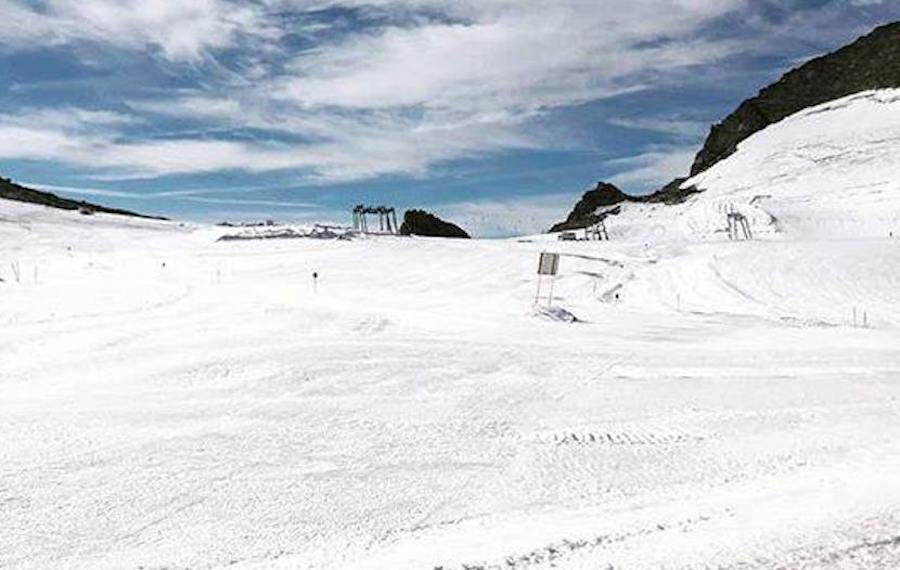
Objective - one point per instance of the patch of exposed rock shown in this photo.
(422, 223)
(606, 200)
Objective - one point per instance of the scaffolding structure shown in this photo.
(595, 232)
(387, 219)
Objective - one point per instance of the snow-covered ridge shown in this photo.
(831, 171)
(37, 228)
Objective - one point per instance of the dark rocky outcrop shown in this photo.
(672, 193)
(872, 62)
(421, 223)
(12, 191)
(599, 203)
(585, 213)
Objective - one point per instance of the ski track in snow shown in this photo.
(216, 411)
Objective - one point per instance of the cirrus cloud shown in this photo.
(342, 90)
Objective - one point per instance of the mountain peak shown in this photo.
(872, 62)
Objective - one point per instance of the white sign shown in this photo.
(548, 264)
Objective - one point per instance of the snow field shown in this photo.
(412, 413)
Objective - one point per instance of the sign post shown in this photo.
(548, 265)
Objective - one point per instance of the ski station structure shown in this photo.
(387, 219)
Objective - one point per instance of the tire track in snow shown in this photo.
(553, 554)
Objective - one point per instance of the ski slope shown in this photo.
(170, 401)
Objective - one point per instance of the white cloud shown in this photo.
(243, 202)
(186, 196)
(653, 168)
(508, 57)
(93, 140)
(180, 30)
(511, 217)
(462, 79)
(80, 191)
(400, 99)
(675, 126)
(355, 150)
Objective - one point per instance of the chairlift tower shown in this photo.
(597, 232)
(738, 225)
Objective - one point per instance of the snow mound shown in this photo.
(554, 314)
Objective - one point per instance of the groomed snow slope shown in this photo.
(167, 401)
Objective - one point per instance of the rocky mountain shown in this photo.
(421, 223)
(872, 62)
(12, 191)
(589, 210)
(585, 212)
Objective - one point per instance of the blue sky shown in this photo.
(494, 113)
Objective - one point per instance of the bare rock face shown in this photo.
(872, 62)
(605, 200)
(421, 223)
(585, 213)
